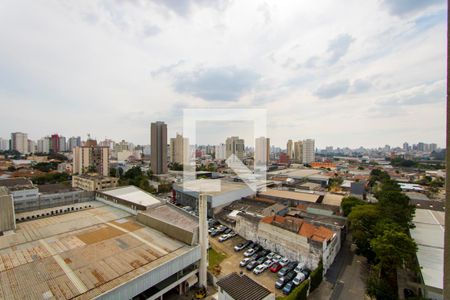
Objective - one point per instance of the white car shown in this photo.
(299, 267)
(245, 261)
(268, 263)
(284, 261)
(224, 237)
(249, 252)
(299, 278)
(276, 258)
(270, 255)
(259, 269)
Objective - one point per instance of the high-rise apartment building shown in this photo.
(62, 144)
(405, 147)
(158, 140)
(290, 149)
(220, 152)
(308, 151)
(31, 146)
(4, 144)
(73, 142)
(179, 150)
(54, 146)
(91, 158)
(234, 145)
(43, 145)
(262, 151)
(298, 152)
(433, 147)
(19, 142)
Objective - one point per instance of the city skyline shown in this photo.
(351, 75)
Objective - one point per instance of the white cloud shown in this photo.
(111, 68)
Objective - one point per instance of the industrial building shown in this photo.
(428, 233)
(220, 193)
(7, 214)
(101, 251)
(28, 196)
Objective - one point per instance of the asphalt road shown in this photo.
(346, 277)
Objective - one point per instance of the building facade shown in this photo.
(94, 183)
(91, 158)
(179, 150)
(262, 151)
(158, 139)
(19, 142)
(234, 145)
(308, 151)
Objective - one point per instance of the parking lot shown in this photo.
(223, 240)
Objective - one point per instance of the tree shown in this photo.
(393, 248)
(395, 206)
(363, 219)
(348, 203)
(92, 169)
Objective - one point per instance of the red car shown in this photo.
(275, 268)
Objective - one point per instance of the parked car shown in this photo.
(279, 284)
(251, 265)
(275, 268)
(291, 275)
(261, 260)
(249, 252)
(283, 271)
(288, 288)
(224, 237)
(299, 278)
(232, 234)
(257, 247)
(299, 267)
(215, 232)
(241, 246)
(291, 265)
(268, 263)
(276, 258)
(259, 269)
(245, 261)
(227, 231)
(252, 244)
(306, 272)
(284, 261)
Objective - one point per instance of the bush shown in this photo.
(348, 203)
(316, 276)
(300, 292)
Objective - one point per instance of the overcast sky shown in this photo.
(346, 73)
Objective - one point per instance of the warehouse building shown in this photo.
(101, 251)
(220, 193)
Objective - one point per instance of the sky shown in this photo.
(345, 73)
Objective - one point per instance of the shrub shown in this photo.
(316, 276)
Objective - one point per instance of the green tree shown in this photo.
(349, 202)
(393, 248)
(363, 219)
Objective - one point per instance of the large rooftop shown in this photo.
(429, 236)
(295, 173)
(80, 255)
(132, 194)
(212, 186)
(307, 197)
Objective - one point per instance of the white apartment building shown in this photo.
(19, 142)
(235, 145)
(308, 151)
(220, 151)
(179, 150)
(262, 151)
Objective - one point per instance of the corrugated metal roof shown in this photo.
(242, 287)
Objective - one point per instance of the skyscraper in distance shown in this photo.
(19, 142)
(158, 141)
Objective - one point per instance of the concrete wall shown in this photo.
(180, 234)
(7, 216)
(33, 202)
(147, 280)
